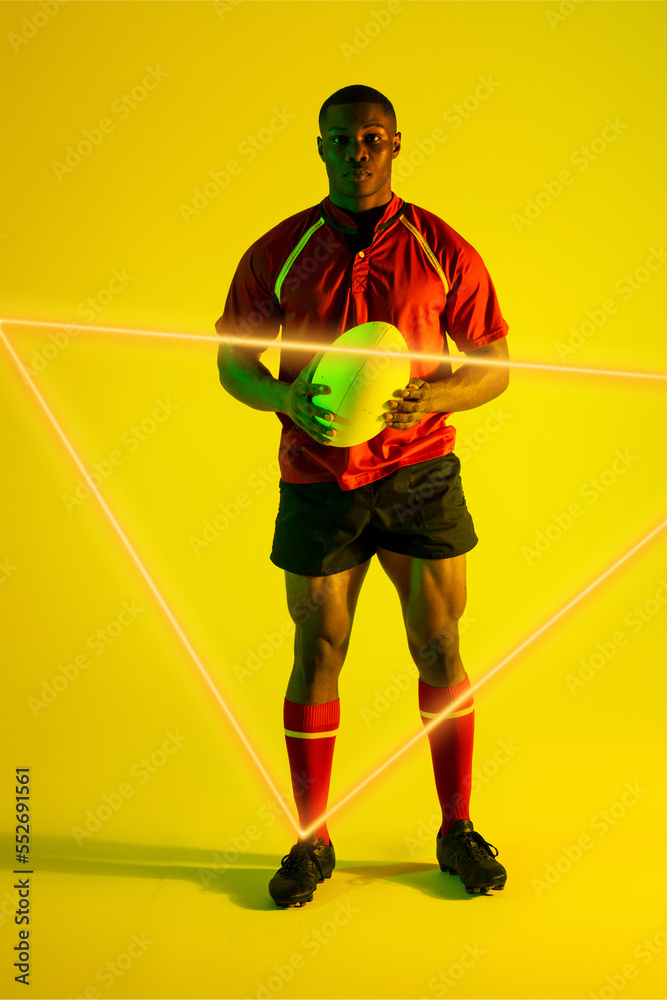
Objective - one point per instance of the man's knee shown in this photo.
(318, 654)
(429, 650)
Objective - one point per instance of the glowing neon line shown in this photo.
(424, 729)
(442, 358)
(114, 329)
(149, 581)
(484, 678)
(291, 346)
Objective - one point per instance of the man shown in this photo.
(364, 254)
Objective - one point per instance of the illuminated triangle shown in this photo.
(423, 730)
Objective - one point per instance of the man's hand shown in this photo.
(302, 410)
(412, 403)
(469, 386)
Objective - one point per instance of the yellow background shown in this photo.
(157, 867)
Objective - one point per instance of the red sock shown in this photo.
(451, 747)
(310, 735)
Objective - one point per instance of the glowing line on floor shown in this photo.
(149, 581)
(288, 345)
(485, 677)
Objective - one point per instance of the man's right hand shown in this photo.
(302, 410)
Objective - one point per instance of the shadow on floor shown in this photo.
(243, 877)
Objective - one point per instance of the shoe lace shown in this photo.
(304, 850)
(475, 845)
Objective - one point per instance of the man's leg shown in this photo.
(433, 595)
(322, 609)
(320, 541)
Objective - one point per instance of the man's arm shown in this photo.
(469, 386)
(245, 378)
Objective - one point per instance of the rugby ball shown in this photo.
(360, 382)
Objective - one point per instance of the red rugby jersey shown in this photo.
(417, 273)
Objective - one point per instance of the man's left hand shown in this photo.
(409, 405)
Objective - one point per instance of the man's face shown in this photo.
(357, 146)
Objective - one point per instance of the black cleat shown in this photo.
(308, 862)
(465, 853)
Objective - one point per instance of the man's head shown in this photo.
(357, 144)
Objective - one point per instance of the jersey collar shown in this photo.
(338, 218)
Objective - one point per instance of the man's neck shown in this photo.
(378, 209)
(358, 208)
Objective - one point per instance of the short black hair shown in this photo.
(357, 93)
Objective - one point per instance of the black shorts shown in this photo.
(419, 510)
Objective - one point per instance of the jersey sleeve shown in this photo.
(472, 313)
(251, 309)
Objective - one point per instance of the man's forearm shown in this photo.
(248, 380)
(469, 386)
